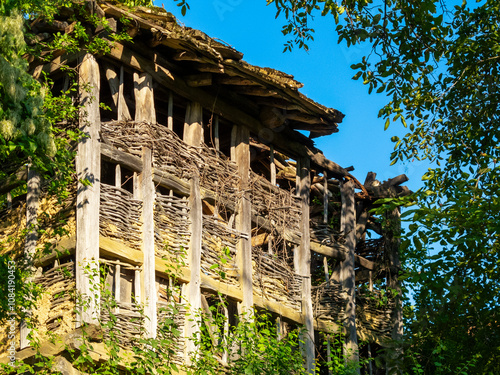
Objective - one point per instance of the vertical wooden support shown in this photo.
(303, 261)
(216, 133)
(273, 165)
(88, 168)
(328, 345)
(391, 246)
(116, 87)
(118, 285)
(325, 198)
(32, 203)
(170, 120)
(348, 225)
(137, 286)
(147, 190)
(193, 126)
(240, 138)
(370, 366)
(193, 135)
(144, 98)
(118, 176)
(9, 200)
(194, 258)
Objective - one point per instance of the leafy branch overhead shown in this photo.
(437, 63)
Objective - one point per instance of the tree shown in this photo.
(439, 69)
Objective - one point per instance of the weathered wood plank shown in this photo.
(193, 126)
(88, 168)
(194, 259)
(144, 98)
(273, 165)
(170, 120)
(304, 262)
(240, 138)
(216, 133)
(348, 226)
(116, 84)
(147, 194)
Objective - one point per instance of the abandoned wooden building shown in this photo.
(201, 162)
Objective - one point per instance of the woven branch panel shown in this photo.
(120, 216)
(279, 206)
(372, 249)
(57, 305)
(324, 234)
(172, 155)
(327, 301)
(171, 216)
(274, 280)
(123, 326)
(373, 313)
(171, 323)
(218, 252)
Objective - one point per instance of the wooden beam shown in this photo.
(110, 248)
(199, 80)
(88, 168)
(116, 87)
(144, 98)
(336, 251)
(194, 258)
(348, 224)
(193, 126)
(273, 165)
(170, 121)
(304, 262)
(233, 80)
(240, 138)
(216, 133)
(147, 194)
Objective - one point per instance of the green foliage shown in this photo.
(438, 65)
(251, 347)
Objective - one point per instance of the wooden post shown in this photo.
(117, 285)
(303, 261)
(118, 176)
(348, 224)
(194, 258)
(273, 165)
(193, 135)
(144, 98)
(116, 88)
(170, 121)
(32, 204)
(216, 133)
(391, 246)
(137, 286)
(88, 168)
(147, 190)
(325, 198)
(240, 138)
(370, 366)
(193, 126)
(328, 346)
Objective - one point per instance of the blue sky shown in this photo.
(251, 28)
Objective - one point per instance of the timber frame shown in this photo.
(197, 152)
